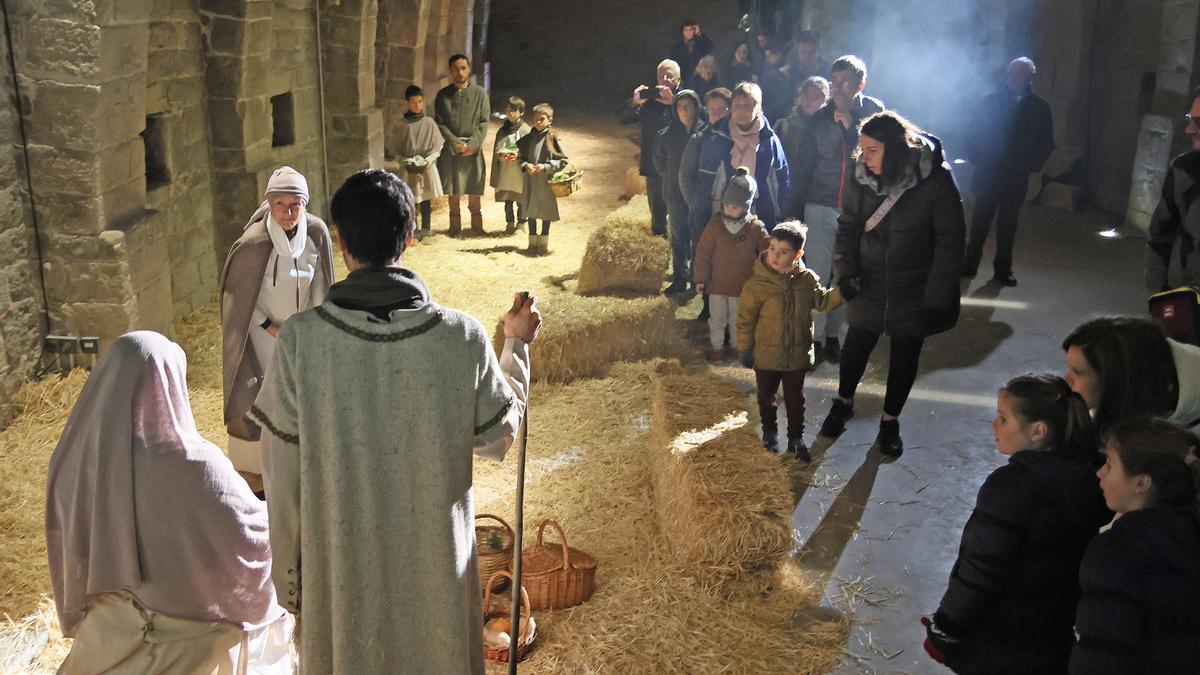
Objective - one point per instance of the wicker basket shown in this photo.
(416, 169)
(557, 576)
(565, 188)
(524, 645)
(492, 560)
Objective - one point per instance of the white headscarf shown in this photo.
(138, 500)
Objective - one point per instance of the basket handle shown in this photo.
(487, 595)
(562, 538)
(498, 519)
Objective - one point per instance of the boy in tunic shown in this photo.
(282, 264)
(375, 404)
(461, 110)
(420, 143)
(507, 178)
(541, 156)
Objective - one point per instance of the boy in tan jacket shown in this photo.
(775, 330)
(725, 256)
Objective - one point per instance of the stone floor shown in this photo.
(885, 535)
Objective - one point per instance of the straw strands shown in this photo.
(623, 255)
(724, 504)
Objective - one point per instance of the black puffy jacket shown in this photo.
(1013, 590)
(1139, 605)
(908, 267)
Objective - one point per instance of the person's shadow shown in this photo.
(824, 548)
(973, 338)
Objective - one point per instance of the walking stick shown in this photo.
(518, 535)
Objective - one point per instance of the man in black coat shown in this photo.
(653, 109)
(693, 46)
(1176, 221)
(1013, 136)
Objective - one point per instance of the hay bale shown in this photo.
(582, 337)
(635, 183)
(634, 214)
(724, 504)
(624, 257)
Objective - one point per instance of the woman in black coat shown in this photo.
(1139, 605)
(1010, 604)
(897, 258)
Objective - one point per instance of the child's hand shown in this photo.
(468, 151)
(524, 320)
(747, 358)
(457, 147)
(701, 288)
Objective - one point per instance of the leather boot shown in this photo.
(533, 244)
(543, 244)
(455, 223)
(477, 222)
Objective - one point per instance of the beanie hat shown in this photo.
(287, 181)
(741, 188)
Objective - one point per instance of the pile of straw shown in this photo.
(583, 337)
(724, 504)
(622, 256)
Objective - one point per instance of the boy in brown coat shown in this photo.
(725, 256)
(775, 330)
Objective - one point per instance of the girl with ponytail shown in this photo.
(1010, 604)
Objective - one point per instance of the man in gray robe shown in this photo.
(374, 405)
(461, 111)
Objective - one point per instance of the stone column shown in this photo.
(1172, 97)
(400, 60)
(353, 123)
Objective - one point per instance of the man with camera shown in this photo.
(652, 107)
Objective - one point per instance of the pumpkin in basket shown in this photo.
(556, 575)
(497, 624)
(493, 548)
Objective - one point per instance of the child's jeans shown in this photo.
(426, 208)
(533, 227)
(511, 216)
(722, 314)
(793, 397)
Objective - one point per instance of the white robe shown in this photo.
(369, 428)
(287, 288)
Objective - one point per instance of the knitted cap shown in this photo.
(740, 189)
(287, 181)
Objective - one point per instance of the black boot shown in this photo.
(771, 439)
(797, 447)
(833, 350)
(888, 439)
(835, 421)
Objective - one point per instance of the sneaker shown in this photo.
(797, 447)
(833, 350)
(835, 421)
(1005, 279)
(771, 439)
(890, 443)
(716, 356)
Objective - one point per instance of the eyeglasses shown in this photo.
(1192, 119)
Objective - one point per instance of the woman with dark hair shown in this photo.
(1139, 604)
(742, 68)
(1124, 366)
(1011, 600)
(897, 259)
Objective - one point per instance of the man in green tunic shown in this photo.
(461, 111)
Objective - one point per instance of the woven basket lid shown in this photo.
(542, 557)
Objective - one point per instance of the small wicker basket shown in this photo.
(416, 169)
(557, 576)
(526, 641)
(570, 183)
(492, 559)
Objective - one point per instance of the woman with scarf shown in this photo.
(159, 553)
(897, 259)
(281, 265)
(745, 138)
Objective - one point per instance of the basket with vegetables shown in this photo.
(567, 181)
(494, 546)
(498, 629)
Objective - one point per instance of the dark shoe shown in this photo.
(818, 354)
(797, 447)
(835, 421)
(833, 350)
(1005, 279)
(716, 356)
(771, 439)
(676, 288)
(420, 234)
(510, 228)
(888, 439)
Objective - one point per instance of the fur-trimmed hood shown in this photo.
(919, 164)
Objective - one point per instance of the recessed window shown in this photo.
(283, 120)
(155, 142)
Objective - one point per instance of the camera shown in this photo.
(650, 92)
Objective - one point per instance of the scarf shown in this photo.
(745, 144)
(380, 291)
(411, 117)
(138, 500)
(735, 225)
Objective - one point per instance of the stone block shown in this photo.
(121, 164)
(77, 281)
(1149, 169)
(66, 171)
(241, 9)
(60, 48)
(69, 214)
(123, 200)
(63, 115)
(163, 36)
(258, 36)
(123, 50)
(121, 111)
(224, 36)
(108, 320)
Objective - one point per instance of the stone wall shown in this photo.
(153, 126)
(20, 299)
